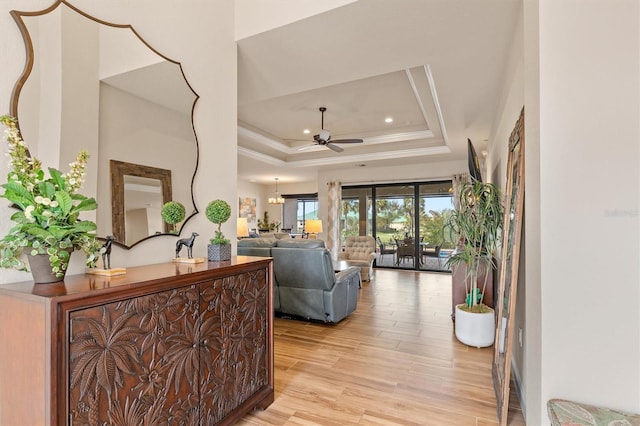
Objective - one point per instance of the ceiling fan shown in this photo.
(324, 138)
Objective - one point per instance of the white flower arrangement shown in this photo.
(48, 208)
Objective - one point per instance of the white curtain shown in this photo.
(457, 181)
(333, 218)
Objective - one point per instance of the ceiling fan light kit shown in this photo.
(324, 137)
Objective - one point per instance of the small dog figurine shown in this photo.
(188, 242)
(106, 252)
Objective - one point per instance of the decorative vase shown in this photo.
(41, 269)
(475, 329)
(218, 252)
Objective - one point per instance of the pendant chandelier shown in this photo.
(277, 199)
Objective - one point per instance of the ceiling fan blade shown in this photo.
(333, 147)
(307, 147)
(348, 141)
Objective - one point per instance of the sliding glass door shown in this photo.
(435, 205)
(405, 219)
(356, 212)
(395, 225)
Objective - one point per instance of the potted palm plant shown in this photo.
(47, 220)
(219, 249)
(477, 223)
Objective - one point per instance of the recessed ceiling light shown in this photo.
(388, 120)
(306, 131)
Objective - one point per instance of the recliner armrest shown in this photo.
(346, 274)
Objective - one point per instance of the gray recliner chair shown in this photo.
(307, 285)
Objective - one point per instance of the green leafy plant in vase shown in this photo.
(172, 213)
(47, 221)
(477, 223)
(264, 224)
(218, 212)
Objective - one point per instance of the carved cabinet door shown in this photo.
(187, 356)
(136, 361)
(234, 361)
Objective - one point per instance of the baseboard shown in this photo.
(519, 390)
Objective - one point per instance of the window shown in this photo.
(297, 209)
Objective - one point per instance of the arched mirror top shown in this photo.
(100, 86)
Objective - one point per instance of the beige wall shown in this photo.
(583, 242)
(137, 131)
(511, 103)
(253, 17)
(200, 34)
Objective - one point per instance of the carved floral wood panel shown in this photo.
(186, 356)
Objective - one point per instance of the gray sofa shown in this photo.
(305, 283)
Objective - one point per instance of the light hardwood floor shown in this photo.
(395, 361)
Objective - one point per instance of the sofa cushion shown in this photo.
(300, 243)
(257, 242)
(256, 246)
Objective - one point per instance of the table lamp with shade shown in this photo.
(313, 227)
(242, 228)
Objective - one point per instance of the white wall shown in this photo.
(586, 298)
(198, 33)
(257, 191)
(253, 17)
(511, 103)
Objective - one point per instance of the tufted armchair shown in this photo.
(360, 251)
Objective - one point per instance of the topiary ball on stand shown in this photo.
(173, 212)
(219, 249)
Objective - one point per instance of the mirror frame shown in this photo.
(118, 171)
(509, 266)
(17, 89)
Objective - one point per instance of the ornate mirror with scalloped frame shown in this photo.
(96, 85)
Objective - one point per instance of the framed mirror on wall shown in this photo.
(94, 85)
(137, 195)
(508, 280)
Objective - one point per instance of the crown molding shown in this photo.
(372, 140)
(402, 153)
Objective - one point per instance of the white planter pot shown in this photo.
(475, 329)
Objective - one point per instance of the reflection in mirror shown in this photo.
(508, 281)
(89, 84)
(137, 195)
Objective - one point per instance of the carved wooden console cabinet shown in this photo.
(183, 344)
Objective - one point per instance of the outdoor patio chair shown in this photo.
(382, 249)
(432, 252)
(405, 250)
